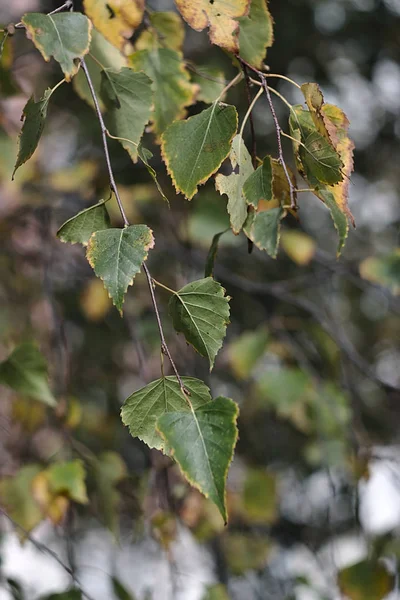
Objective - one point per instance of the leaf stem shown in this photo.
(67, 5)
(115, 137)
(248, 114)
(233, 82)
(262, 76)
(283, 77)
(274, 91)
(163, 286)
(113, 186)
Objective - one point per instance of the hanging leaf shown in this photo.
(25, 371)
(16, 497)
(202, 442)
(116, 256)
(79, 228)
(194, 149)
(366, 580)
(200, 310)
(142, 409)
(65, 36)
(232, 185)
(145, 155)
(315, 101)
(109, 470)
(115, 19)
(165, 30)
(299, 246)
(128, 97)
(220, 16)
(212, 254)
(34, 115)
(171, 84)
(258, 186)
(210, 81)
(256, 33)
(101, 53)
(263, 229)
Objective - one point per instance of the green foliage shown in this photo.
(109, 471)
(65, 36)
(202, 442)
(25, 371)
(78, 229)
(143, 408)
(256, 33)
(16, 497)
(116, 256)
(128, 98)
(200, 310)
(120, 590)
(258, 186)
(194, 149)
(34, 115)
(384, 270)
(366, 580)
(212, 254)
(263, 229)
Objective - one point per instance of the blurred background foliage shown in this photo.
(311, 355)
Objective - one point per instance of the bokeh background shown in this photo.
(312, 354)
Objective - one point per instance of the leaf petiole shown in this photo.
(248, 113)
(163, 286)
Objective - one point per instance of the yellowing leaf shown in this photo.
(194, 149)
(299, 246)
(256, 33)
(166, 30)
(202, 442)
(219, 15)
(171, 84)
(383, 270)
(95, 302)
(16, 497)
(115, 19)
(232, 185)
(66, 36)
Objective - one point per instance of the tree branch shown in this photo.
(164, 347)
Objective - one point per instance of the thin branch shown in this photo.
(43, 548)
(66, 6)
(261, 75)
(113, 185)
(249, 115)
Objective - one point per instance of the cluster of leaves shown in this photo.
(151, 84)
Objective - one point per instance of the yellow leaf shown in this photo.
(219, 15)
(95, 302)
(299, 246)
(115, 19)
(53, 506)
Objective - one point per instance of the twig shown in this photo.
(262, 76)
(43, 548)
(250, 117)
(67, 5)
(113, 185)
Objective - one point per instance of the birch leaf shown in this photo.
(256, 33)
(115, 19)
(79, 228)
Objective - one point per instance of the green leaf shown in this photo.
(109, 470)
(166, 31)
(79, 228)
(260, 500)
(211, 82)
(200, 310)
(216, 592)
(142, 409)
(263, 229)
(68, 478)
(120, 590)
(194, 149)
(128, 97)
(256, 33)
(101, 53)
(232, 185)
(145, 155)
(171, 84)
(366, 580)
(16, 497)
(66, 36)
(258, 186)
(25, 371)
(34, 115)
(339, 218)
(16, 590)
(116, 256)
(202, 443)
(212, 254)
